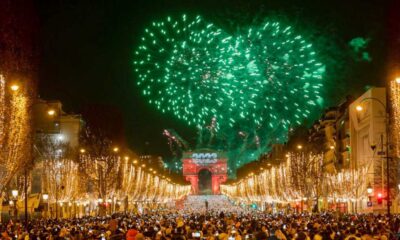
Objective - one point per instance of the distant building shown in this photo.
(330, 135)
(342, 147)
(152, 160)
(49, 118)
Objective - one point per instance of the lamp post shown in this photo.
(14, 193)
(26, 197)
(46, 199)
(369, 191)
(359, 108)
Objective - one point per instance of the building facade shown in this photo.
(368, 140)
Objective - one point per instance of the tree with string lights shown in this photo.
(60, 177)
(100, 164)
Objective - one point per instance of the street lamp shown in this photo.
(369, 189)
(82, 150)
(46, 198)
(359, 108)
(14, 87)
(299, 147)
(397, 80)
(60, 137)
(51, 112)
(115, 149)
(14, 193)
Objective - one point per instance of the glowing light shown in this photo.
(115, 149)
(60, 137)
(359, 108)
(82, 150)
(14, 87)
(299, 147)
(369, 189)
(51, 112)
(45, 196)
(14, 130)
(14, 193)
(395, 116)
(126, 157)
(291, 181)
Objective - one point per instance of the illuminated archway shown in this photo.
(205, 159)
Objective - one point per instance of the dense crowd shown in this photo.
(212, 224)
(209, 225)
(220, 203)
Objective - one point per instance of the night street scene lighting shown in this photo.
(200, 119)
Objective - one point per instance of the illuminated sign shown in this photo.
(204, 158)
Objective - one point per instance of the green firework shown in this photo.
(259, 82)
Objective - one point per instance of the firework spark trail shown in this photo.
(263, 80)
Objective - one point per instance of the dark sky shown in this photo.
(87, 49)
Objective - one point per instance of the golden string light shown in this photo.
(132, 181)
(14, 130)
(300, 177)
(395, 117)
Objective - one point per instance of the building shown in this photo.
(342, 143)
(330, 135)
(152, 160)
(368, 141)
(49, 118)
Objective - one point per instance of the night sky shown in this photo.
(87, 49)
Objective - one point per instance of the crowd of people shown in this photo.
(210, 224)
(201, 203)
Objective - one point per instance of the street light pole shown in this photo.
(26, 198)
